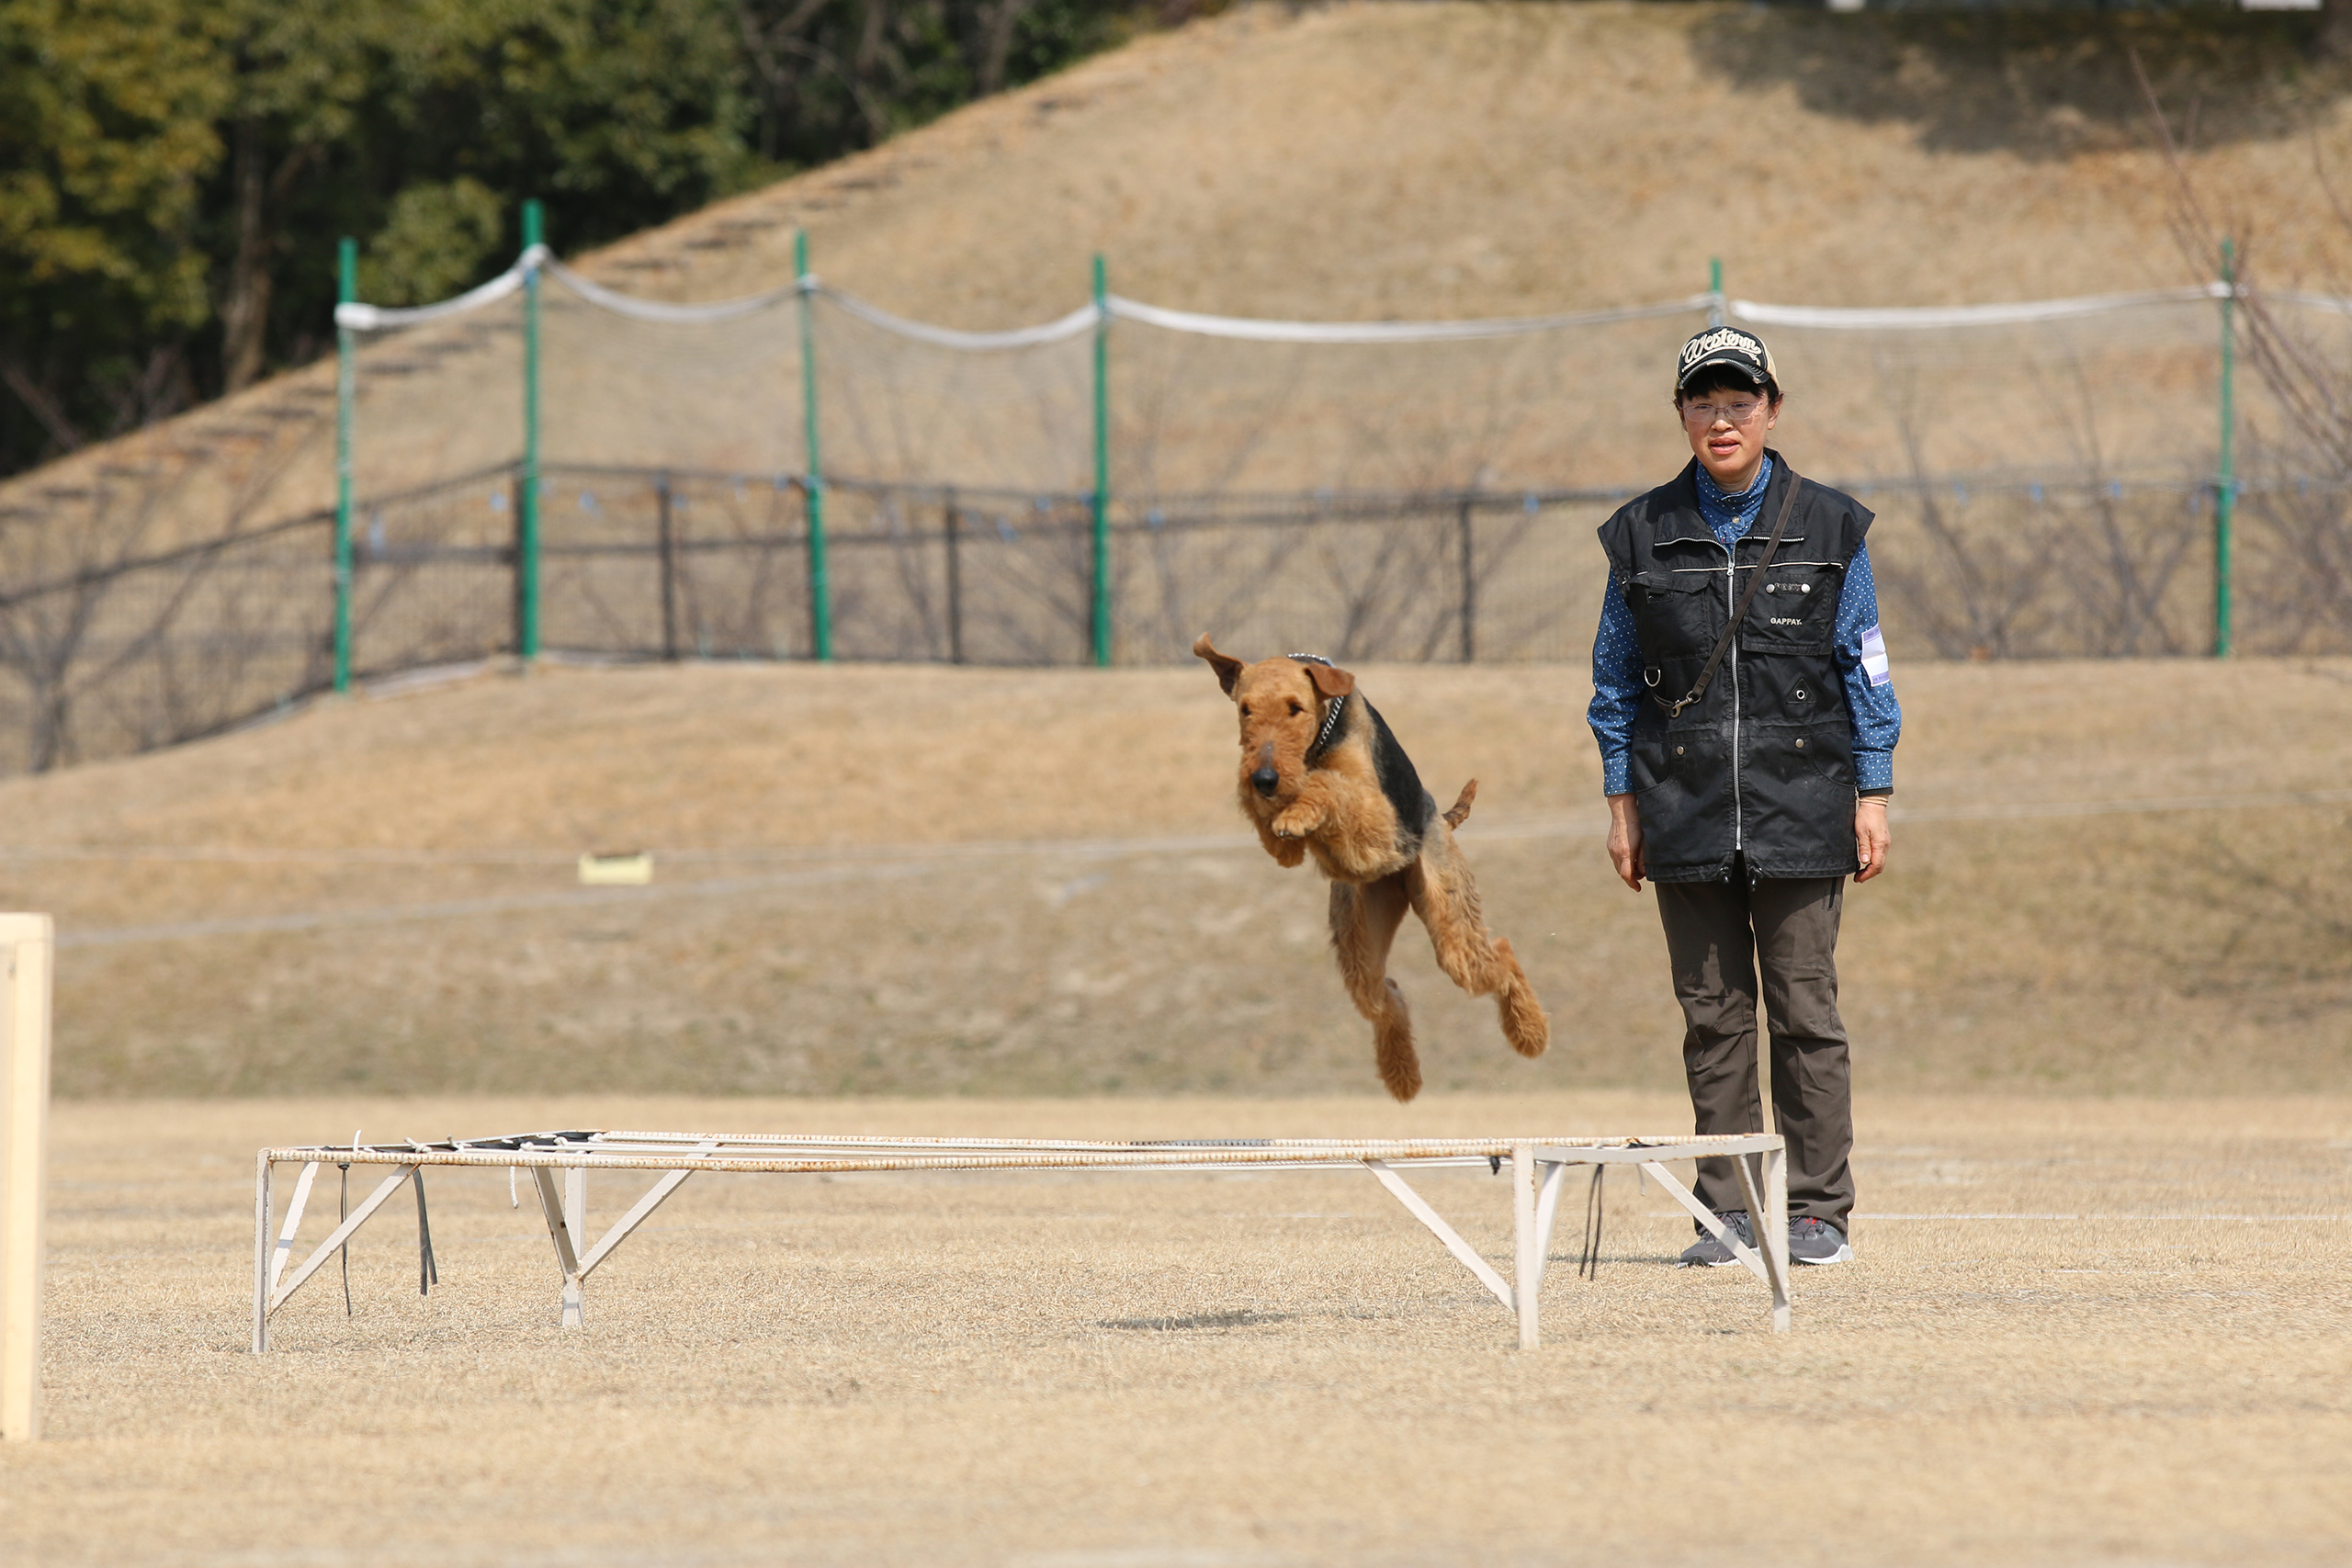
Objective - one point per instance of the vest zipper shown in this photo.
(1731, 607)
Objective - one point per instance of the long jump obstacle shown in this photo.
(1538, 1167)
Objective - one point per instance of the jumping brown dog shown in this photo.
(1322, 775)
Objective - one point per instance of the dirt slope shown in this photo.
(2112, 875)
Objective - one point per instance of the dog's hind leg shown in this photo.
(1446, 899)
(1364, 919)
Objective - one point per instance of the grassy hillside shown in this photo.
(1395, 160)
(2122, 876)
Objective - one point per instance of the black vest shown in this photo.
(1764, 763)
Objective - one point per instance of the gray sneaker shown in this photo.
(1709, 1253)
(1817, 1241)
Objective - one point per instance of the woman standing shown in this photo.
(1747, 723)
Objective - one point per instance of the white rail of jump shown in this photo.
(1538, 1167)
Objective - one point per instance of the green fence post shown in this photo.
(2225, 488)
(821, 592)
(347, 290)
(1714, 292)
(527, 540)
(1101, 617)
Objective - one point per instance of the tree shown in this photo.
(110, 114)
(174, 173)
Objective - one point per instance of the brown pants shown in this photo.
(1715, 934)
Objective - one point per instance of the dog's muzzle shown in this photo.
(1264, 781)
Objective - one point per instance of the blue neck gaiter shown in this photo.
(1729, 516)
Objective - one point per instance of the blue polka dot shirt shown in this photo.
(1617, 689)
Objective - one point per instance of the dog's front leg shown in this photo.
(1307, 815)
(1286, 851)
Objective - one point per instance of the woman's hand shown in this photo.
(1625, 839)
(1869, 835)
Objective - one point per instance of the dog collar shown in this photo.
(1323, 736)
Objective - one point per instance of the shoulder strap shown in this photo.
(1731, 627)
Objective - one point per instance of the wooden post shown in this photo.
(27, 943)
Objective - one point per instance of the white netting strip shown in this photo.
(2333, 304)
(1930, 317)
(1061, 330)
(667, 312)
(1255, 331)
(383, 318)
(1833, 318)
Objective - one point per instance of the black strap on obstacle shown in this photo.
(1589, 1260)
(427, 1274)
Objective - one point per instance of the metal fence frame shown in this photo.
(122, 652)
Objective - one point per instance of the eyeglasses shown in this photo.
(1703, 415)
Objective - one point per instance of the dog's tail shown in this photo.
(1459, 812)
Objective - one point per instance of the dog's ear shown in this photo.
(1228, 670)
(1330, 681)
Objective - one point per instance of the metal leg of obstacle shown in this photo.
(269, 1295)
(1547, 1209)
(567, 1228)
(567, 1245)
(1527, 1267)
(1465, 1254)
(1772, 1266)
(1535, 1206)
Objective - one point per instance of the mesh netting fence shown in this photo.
(2046, 478)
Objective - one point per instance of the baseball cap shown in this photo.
(1729, 347)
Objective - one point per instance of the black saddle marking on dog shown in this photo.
(1398, 781)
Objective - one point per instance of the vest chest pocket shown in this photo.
(1674, 612)
(1796, 610)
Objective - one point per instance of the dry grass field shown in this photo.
(2105, 1324)
(2119, 876)
(2076, 1332)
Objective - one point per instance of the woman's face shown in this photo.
(1727, 428)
